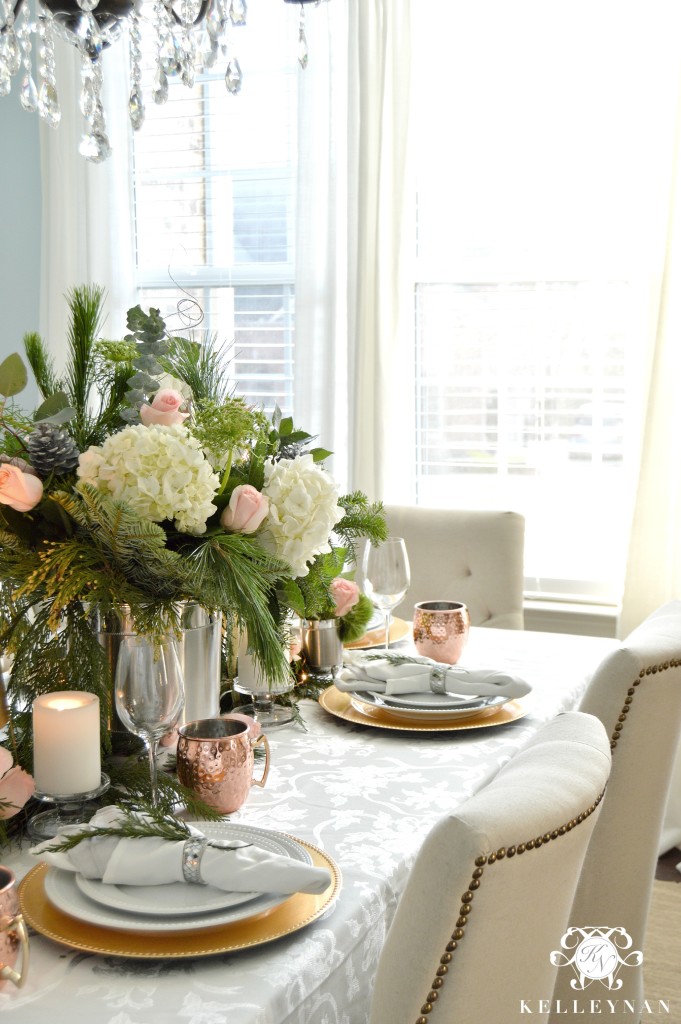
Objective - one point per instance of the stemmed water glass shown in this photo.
(149, 692)
(385, 568)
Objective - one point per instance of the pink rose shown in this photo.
(246, 510)
(345, 595)
(21, 491)
(16, 786)
(164, 409)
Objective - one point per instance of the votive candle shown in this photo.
(66, 743)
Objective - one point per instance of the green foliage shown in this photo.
(42, 365)
(148, 335)
(224, 429)
(362, 519)
(203, 365)
(353, 625)
(12, 376)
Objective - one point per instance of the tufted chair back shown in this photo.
(636, 693)
(487, 901)
(470, 556)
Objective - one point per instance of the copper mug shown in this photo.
(13, 932)
(215, 759)
(441, 630)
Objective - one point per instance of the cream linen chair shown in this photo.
(489, 895)
(636, 693)
(470, 556)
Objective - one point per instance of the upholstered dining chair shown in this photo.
(636, 693)
(461, 555)
(487, 901)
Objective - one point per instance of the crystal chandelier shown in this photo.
(190, 36)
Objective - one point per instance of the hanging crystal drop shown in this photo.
(87, 95)
(233, 77)
(215, 21)
(5, 80)
(160, 88)
(48, 100)
(136, 108)
(89, 37)
(12, 52)
(171, 55)
(87, 5)
(29, 94)
(136, 101)
(302, 42)
(48, 104)
(95, 147)
(237, 12)
(209, 54)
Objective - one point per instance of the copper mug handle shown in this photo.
(7, 973)
(262, 739)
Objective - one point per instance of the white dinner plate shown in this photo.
(430, 701)
(476, 706)
(63, 890)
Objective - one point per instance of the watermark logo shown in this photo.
(595, 954)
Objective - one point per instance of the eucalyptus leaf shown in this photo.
(286, 426)
(56, 409)
(319, 454)
(13, 375)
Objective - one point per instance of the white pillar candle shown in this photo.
(66, 743)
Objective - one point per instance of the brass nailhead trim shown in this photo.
(467, 898)
(650, 670)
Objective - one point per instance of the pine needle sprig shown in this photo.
(154, 824)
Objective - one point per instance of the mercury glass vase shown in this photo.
(322, 648)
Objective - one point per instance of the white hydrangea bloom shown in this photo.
(303, 511)
(161, 472)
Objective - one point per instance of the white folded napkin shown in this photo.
(400, 674)
(154, 861)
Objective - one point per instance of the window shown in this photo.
(214, 184)
(539, 161)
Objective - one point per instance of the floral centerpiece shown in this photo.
(142, 481)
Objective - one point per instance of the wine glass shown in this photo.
(149, 692)
(386, 576)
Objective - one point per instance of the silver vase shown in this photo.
(322, 647)
(199, 646)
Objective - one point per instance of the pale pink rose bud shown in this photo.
(246, 510)
(345, 595)
(21, 491)
(164, 409)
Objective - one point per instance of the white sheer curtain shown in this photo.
(381, 392)
(87, 208)
(653, 574)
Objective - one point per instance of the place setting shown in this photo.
(427, 690)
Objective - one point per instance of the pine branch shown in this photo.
(202, 364)
(85, 303)
(133, 826)
(41, 364)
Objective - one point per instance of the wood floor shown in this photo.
(662, 963)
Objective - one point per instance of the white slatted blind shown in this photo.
(214, 183)
(540, 236)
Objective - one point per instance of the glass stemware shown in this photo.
(149, 692)
(386, 574)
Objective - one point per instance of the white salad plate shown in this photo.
(429, 710)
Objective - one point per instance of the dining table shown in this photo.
(364, 794)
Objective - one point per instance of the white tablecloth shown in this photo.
(366, 796)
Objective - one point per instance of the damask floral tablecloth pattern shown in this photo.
(366, 796)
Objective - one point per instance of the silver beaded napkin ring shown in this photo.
(192, 852)
(438, 677)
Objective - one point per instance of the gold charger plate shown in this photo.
(340, 705)
(296, 912)
(376, 637)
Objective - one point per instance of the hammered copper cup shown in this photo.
(441, 630)
(215, 760)
(13, 932)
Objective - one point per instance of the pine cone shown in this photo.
(52, 450)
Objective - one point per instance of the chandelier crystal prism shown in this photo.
(189, 37)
